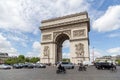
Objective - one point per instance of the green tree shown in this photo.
(66, 60)
(105, 60)
(27, 60)
(11, 61)
(118, 61)
(34, 59)
(21, 59)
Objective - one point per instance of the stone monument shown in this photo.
(54, 32)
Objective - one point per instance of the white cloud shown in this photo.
(66, 44)
(66, 55)
(114, 35)
(42, 9)
(6, 47)
(109, 21)
(25, 15)
(11, 16)
(97, 53)
(3, 42)
(36, 49)
(17, 37)
(114, 51)
(36, 45)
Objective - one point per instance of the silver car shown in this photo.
(67, 65)
(4, 66)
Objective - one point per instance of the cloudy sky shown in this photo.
(20, 21)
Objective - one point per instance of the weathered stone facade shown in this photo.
(54, 32)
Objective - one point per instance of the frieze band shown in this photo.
(78, 33)
(60, 32)
(46, 37)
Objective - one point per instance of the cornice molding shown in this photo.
(79, 57)
(52, 42)
(67, 16)
(48, 42)
(80, 39)
(65, 23)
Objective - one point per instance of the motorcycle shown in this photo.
(82, 68)
(60, 71)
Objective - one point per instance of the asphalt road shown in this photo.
(50, 74)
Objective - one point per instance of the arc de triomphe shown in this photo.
(54, 32)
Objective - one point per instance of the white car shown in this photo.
(87, 63)
(67, 65)
(5, 66)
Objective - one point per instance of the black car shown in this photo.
(103, 65)
(17, 66)
(29, 65)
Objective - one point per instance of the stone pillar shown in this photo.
(59, 53)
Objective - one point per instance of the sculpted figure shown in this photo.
(79, 49)
(46, 50)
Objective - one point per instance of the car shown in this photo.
(29, 65)
(87, 63)
(40, 65)
(67, 65)
(18, 66)
(5, 66)
(103, 65)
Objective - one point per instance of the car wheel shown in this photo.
(72, 67)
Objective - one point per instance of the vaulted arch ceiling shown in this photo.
(61, 38)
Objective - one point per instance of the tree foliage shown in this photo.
(34, 60)
(11, 61)
(66, 60)
(118, 61)
(21, 59)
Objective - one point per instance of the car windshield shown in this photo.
(65, 63)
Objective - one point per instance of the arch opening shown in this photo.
(60, 39)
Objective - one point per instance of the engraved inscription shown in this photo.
(79, 50)
(78, 33)
(46, 37)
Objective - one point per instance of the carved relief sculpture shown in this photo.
(78, 33)
(79, 50)
(46, 51)
(60, 32)
(46, 37)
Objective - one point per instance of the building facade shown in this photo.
(3, 57)
(107, 58)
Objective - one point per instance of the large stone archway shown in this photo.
(59, 41)
(54, 32)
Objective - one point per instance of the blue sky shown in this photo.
(20, 21)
